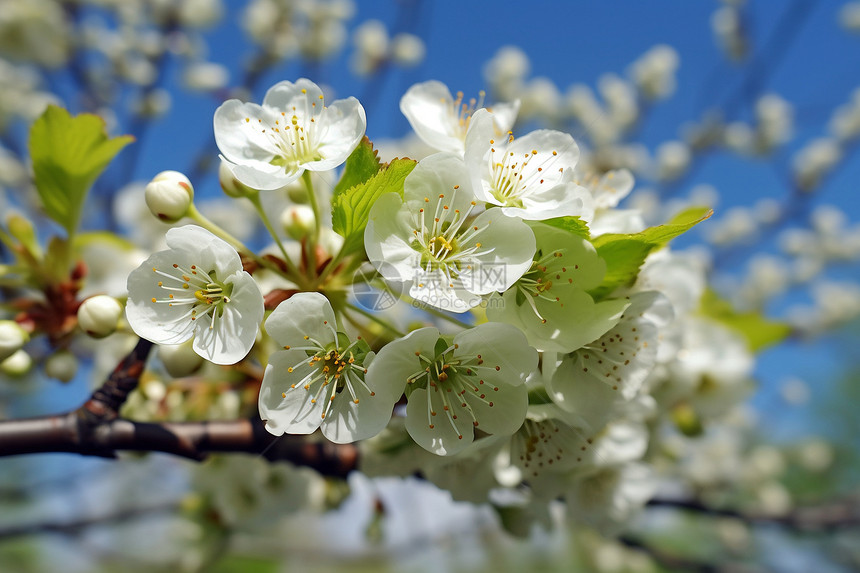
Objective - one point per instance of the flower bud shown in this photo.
(17, 365)
(230, 185)
(297, 221)
(408, 50)
(98, 315)
(297, 192)
(169, 195)
(179, 359)
(62, 365)
(12, 338)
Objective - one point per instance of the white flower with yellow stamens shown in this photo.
(319, 378)
(442, 121)
(621, 359)
(549, 303)
(269, 146)
(530, 177)
(196, 288)
(453, 387)
(431, 241)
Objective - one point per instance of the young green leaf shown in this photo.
(574, 225)
(624, 254)
(361, 165)
(350, 209)
(758, 331)
(68, 154)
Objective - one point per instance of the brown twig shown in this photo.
(821, 518)
(95, 429)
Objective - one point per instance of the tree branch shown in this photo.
(192, 440)
(823, 518)
(75, 526)
(95, 429)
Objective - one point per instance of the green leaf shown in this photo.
(758, 331)
(350, 209)
(68, 154)
(361, 165)
(245, 564)
(624, 254)
(574, 225)
(24, 231)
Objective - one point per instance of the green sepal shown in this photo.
(687, 420)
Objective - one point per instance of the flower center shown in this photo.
(452, 381)
(512, 176)
(446, 244)
(538, 281)
(209, 296)
(541, 445)
(293, 136)
(333, 371)
(461, 112)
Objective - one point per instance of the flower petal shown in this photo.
(505, 248)
(387, 239)
(429, 108)
(557, 154)
(570, 323)
(440, 433)
(341, 127)
(229, 339)
(158, 322)
(209, 252)
(239, 132)
(305, 314)
(349, 422)
(438, 174)
(503, 408)
(397, 360)
(286, 408)
(436, 289)
(502, 347)
(563, 200)
(263, 177)
(303, 98)
(614, 186)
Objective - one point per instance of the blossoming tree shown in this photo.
(473, 311)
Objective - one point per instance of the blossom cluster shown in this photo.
(507, 348)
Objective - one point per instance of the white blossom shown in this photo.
(196, 288)
(319, 378)
(429, 241)
(442, 121)
(268, 146)
(530, 177)
(453, 387)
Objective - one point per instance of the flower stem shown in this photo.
(199, 218)
(445, 316)
(332, 264)
(385, 324)
(254, 198)
(315, 237)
